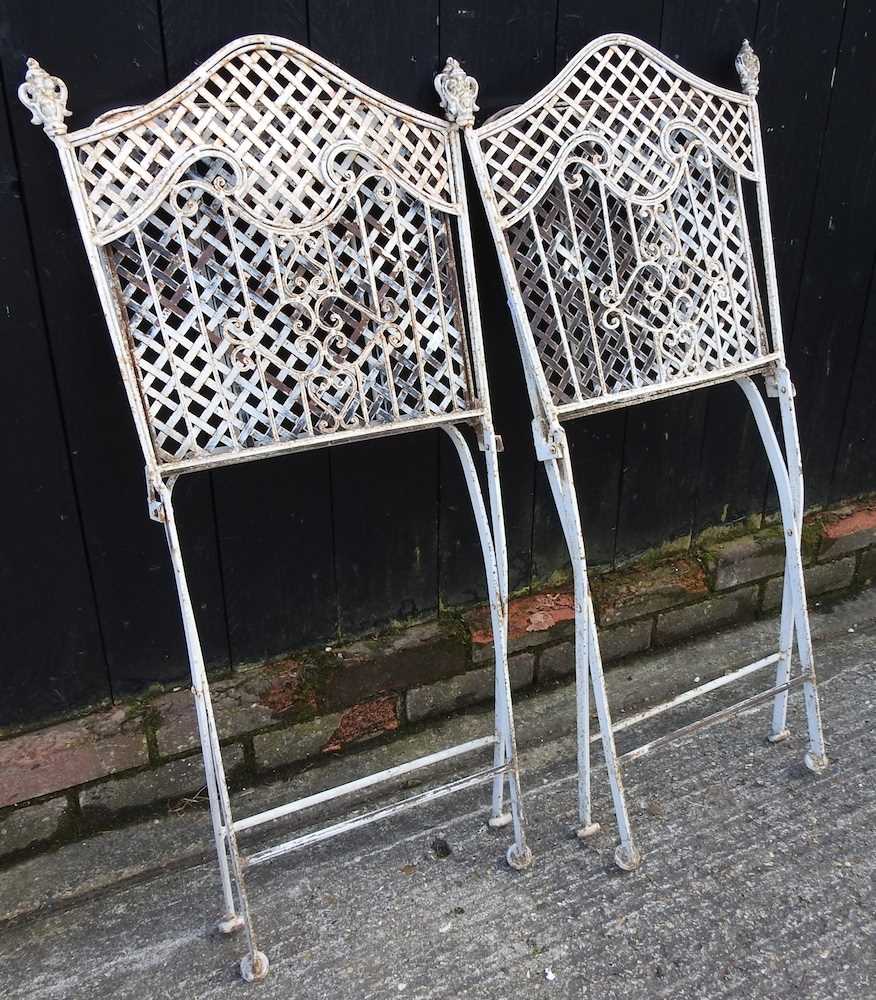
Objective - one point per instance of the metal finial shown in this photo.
(748, 68)
(45, 97)
(457, 92)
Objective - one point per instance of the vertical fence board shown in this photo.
(856, 454)
(385, 493)
(579, 23)
(839, 258)
(668, 434)
(509, 48)
(53, 657)
(379, 531)
(111, 55)
(194, 29)
(797, 47)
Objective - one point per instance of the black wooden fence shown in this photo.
(295, 551)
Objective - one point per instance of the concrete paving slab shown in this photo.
(758, 879)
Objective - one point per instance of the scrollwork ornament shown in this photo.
(748, 68)
(45, 96)
(457, 92)
(244, 342)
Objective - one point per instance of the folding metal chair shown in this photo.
(615, 199)
(273, 244)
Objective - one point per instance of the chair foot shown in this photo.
(779, 737)
(497, 822)
(518, 859)
(229, 924)
(817, 763)
(627, 859)
(590, 830)
(254, 967)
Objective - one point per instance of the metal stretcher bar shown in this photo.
(693, 693)
(421, 798)
(710, 720)
(348, 788)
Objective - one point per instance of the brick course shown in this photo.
(70, 754)
(289, 712)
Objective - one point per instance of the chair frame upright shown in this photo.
(624, 122)
(272, 245)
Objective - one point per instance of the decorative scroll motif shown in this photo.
(629, 94)
(748, 68)
(246, 334)
(45, 97)
(457, 92)
(627, 293)
(277, 108)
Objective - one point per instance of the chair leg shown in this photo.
(795, 616)
(588, 671)
(778, 727)
(785, 392)
(491, 531)
(254, 964)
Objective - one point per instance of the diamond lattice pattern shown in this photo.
(622, 297)
(276, 110)
(243, 337)
(620, 92)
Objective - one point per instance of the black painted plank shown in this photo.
(579, 23)
(194, 29)
(597, 442)
(839, 256)
(384, 496)
(509, 48)
(855, 471)
(53, 657)
(274, 518)
(705, 37)
(797, 46)
(109, 55)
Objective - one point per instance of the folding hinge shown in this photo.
(550, 440)
(154, 503)
(154, 499)
(778, 383)
(482, 444)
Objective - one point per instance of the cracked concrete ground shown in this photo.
(757, 881)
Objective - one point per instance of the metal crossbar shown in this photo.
(351, 787)
(278, 252)
(715, 717)
(615, 197)
(487, 774)
(692, 693)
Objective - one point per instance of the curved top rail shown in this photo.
(628, 94)
(278, 109)
(102, 126)
(504, 119)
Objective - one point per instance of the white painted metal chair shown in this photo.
(615, 198)
(273, 244)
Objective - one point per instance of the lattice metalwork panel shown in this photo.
(619, 92)
(277, 108)
(629, 244)
(279, 241)
(245, 336)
